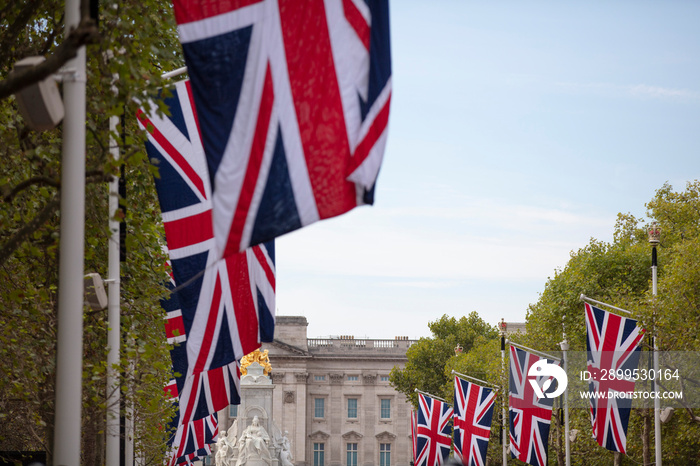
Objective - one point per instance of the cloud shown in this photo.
(472, 240)
(643, 91)
(656, 92)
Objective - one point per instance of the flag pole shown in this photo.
(565, 349)
(585, 298)
(431, 395)
(454, 372)
(504, 418)
(654, 239)
(538, 353)
(69, 341)
(112, 451)
(173, 73)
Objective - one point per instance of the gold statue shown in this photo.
(258, 356)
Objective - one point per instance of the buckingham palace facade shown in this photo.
(333, 397)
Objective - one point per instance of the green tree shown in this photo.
(619, 273)
(432, 360)
(427, 367)
(134, 42)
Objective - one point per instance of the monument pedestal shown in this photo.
(256, 402)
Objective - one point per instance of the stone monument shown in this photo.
(259, 442)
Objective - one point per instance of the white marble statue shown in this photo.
(226, 446)
(222, 451)
(286, 451)
(253, 445)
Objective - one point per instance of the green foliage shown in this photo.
(137, 42)
(427, 368)
(619, 273)
(606, 272)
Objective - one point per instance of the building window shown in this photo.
(352, 408)
(352, 454)
(232, 411)
(353, 378)
(384, 378)
(384, 454)
(319, 407)
(319, 454)
(319, 378)
(385, 408)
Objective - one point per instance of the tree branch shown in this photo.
(42, 217)
(13, 31)
(35, 180)
(85, 33)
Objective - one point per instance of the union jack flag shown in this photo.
(293, 103)
(433, 431)
(612, 344)
(200, 392)
(530, 416)
(227, 305)
(193, 457)
(199, 396)
(222, 309)
(191, 440)
(473, 411)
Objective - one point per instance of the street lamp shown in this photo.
(504, 434)
(654, 232)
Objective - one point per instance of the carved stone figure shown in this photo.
(231, 435)
(253, 445)
(286, 458)
(226, 446)
(222, 451)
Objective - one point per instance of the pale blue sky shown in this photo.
(518, 131)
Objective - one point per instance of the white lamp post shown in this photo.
(69, 353)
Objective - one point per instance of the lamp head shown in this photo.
(654, 232)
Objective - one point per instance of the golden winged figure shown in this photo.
(258, 356)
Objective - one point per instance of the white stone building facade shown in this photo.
(334, 398)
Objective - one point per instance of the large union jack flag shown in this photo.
(433, 431)
(473, 412)
(612, 344)
(293, 104)
(530, 416)
(227, 305)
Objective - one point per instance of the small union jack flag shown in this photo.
(473, 412)
(191, 458)
(199, 396)
(293, 104)
(433, 431)
(191, 440)
(530, 416)
(612, 344)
